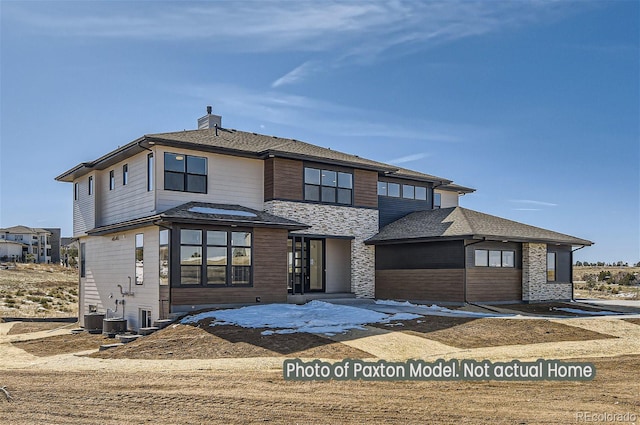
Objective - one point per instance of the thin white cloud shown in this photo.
(297, 74)
(408, 158)
(326, 117)
(527, 209)
(532, 202)
(345, 31)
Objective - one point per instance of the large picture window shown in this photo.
(494, 258)
(228, 257)
(334, 187)
(185, 173)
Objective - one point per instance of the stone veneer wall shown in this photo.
(534, 276)
(333, 220)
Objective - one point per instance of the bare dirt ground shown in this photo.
(218, 381)
(38, 290)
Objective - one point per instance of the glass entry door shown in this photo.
(306, 265)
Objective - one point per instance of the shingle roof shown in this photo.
(462, 223)
(202, 212)
(228, 214)
(236, 142)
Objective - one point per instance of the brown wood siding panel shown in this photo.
(494, 284)
(268, 179)
(269, 276)
(365, 188)
(287, 179)
(425, 284)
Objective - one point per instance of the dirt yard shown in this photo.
(38, 290)
(225, 374)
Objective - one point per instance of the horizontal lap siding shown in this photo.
(269, 276)
(425, 284)
(287, 180)
(494, 284)
(365, 188)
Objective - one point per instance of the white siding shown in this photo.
(125, 202)
(110, 260)
(338, 265)
(84, 209)
(231, 180)
(448, 199)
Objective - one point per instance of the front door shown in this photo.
(306, 265)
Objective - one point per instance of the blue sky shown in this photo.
(534, 104)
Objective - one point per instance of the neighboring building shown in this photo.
(181, 221)
(37, 244)
(10, 250)
(69, 249)
(55, 243)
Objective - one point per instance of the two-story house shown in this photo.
(181, 221)
(22, 243)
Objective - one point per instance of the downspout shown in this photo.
(464, 286)
(571, 269)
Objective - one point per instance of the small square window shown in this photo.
(311, 192)
(382, 188)
(495, 259)
(345, 180)
(508, 258)
(329, 178)
(328, 194)
(312, 176)
(421, 193)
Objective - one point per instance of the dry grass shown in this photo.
(38, 290)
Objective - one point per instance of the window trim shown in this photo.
(150, 171)
(140, 248)
(168, 248)
(555, 266)
(337, 188)
(488, 258)
(185, 174)
(204, 249)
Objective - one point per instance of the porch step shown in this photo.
(148, 331)
(127, 338)
(162, 323)
(108, 346)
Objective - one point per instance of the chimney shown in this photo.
(209, 120)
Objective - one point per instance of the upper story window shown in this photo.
(112, 180)
(437, 200)
(125, 174)
(406, 191)
(185, 173)
(139, 266)
(76, 191)
(90, 185)
(150, 163)
(334, 187)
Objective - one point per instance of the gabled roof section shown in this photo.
(205, 213)
(23, 230)
(242, 143)
(462, 223)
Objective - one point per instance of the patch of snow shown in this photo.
(221, 211)
(592, 313)
(313, 317)
(437, 309)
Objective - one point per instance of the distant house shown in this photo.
(37, 245)
(176, 222)
(69, 249)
